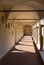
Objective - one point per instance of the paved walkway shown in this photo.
(23, 54)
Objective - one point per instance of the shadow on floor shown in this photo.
(18, 58)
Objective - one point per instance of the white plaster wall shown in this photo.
(36, 32)
(35, 35)
(42, 21)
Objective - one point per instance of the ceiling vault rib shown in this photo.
(21, 10)
(25, 22)
(23, 19)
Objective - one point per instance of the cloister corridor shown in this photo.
(21, 32)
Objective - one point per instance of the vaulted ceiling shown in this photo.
(8, 4)
(24, 5)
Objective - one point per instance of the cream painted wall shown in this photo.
(7, 37)
(19, 32)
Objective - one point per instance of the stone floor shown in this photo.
(22, 54)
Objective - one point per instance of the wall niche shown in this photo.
(2, 19)
(8, 25)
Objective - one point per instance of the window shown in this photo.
(43, 35)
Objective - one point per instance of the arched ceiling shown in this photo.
(24, 5)
(24, 18)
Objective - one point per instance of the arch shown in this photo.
(26, 5)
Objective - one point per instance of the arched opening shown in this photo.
(27, 30)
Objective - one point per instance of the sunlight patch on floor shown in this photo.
(27, 38)
(25, 48)
(17, 51)
(25, 45)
